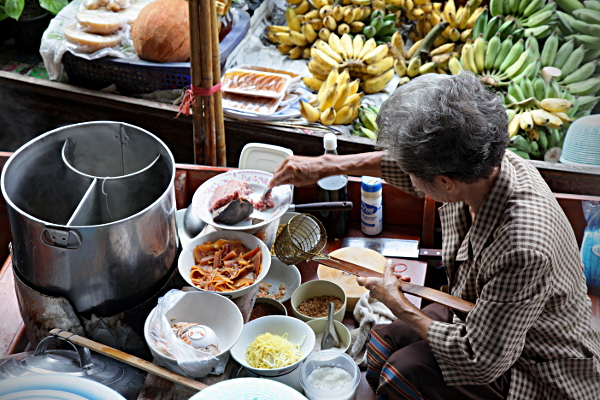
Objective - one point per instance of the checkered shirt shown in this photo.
(519, 262)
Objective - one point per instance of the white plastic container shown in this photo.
(329, 358)
(371, 211)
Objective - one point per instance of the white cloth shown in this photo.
(367, 312)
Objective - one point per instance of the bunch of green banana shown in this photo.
(363, 59)
(498, 62)
(337, 101)
(578, 72)
(537, 17)
(581, 22)
(537, 125)
(380, 26)
(366, 123)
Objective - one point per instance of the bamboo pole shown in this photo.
(199, 133)
(206, 51)
(216, 61)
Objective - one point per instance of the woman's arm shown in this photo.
(302, 171)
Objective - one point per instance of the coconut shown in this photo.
(161, 32)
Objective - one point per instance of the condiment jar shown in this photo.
(329, 359)
(371, 211)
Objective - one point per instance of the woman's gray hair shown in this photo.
(444, 125)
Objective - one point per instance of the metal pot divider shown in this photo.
(99, 196)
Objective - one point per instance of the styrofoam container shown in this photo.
(247, 88)
(263, 157)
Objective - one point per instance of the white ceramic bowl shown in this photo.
(186, 258)
(318, 326)
(316, 288)
(296, 330)
(281, 273)
(205, 308)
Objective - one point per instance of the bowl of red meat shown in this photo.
(226, 262)
(234, 201)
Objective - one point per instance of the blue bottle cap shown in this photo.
(371, 184)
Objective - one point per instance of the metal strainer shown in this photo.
(304, 237)
(301, 239)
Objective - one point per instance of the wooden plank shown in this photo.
(12, 328)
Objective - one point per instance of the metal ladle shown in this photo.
(192, 223)
(330, 338)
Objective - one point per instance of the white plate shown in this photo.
(292, 112)
(55, 387)
(248, 389)
(258, 182)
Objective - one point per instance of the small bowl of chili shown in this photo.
(264, 306)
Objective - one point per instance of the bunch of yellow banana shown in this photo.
(534, 126)
(341, 19)
(303, 30)
(337, 101)
(461, 21)
(366, 60)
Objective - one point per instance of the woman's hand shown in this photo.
(386, 289)
(299, 171)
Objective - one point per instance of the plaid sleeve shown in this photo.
(391, 172)
(493, 335)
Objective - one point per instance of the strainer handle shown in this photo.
(423, 292)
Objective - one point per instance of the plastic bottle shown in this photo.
(371, 212)
(333, 188)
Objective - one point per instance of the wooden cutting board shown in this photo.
(358, 255)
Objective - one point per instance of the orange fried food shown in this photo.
(225, 265)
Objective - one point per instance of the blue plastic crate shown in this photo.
(138, 76)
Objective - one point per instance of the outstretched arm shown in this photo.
(302, 171)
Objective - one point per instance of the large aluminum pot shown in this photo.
(92, 214)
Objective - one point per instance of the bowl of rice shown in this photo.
(274, 345)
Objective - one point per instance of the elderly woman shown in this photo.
(507, 247)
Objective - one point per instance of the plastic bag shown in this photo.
(590, 246)
(192, 361)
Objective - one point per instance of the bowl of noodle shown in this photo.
(274, 345)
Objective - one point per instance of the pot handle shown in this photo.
(323, 206)
(85, 357)
(63, 239)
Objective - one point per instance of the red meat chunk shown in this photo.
(264, 202)
(229, 192)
